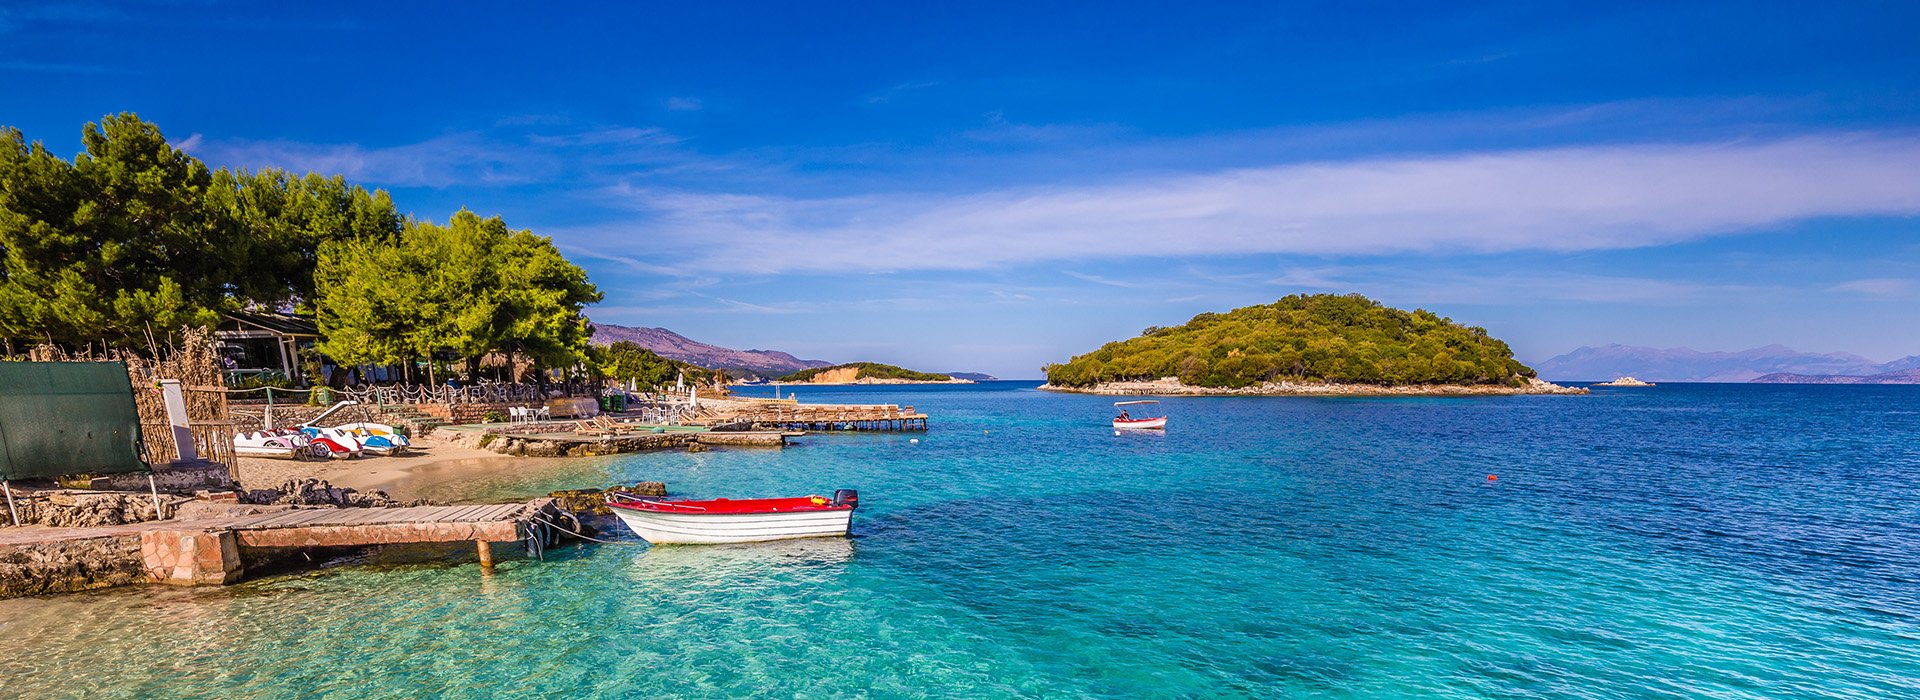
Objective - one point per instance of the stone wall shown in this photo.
(70, 565)
(188, 558)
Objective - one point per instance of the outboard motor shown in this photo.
(846, 497)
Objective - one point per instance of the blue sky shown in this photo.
(991, 187)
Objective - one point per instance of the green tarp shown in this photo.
(60, 418)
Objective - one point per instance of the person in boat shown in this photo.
(1124, 416)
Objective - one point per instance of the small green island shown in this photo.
(867, 373)
(1305, 344)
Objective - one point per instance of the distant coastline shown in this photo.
(1172, 386)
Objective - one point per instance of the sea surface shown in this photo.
(1684, 541)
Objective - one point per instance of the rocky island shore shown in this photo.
(1172, 386)
(868, 373)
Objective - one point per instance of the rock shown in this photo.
(1625, 381)
(316, 492)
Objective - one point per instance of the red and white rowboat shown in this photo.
(747, 520)
(1131, 423)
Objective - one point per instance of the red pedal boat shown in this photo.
(747, 520)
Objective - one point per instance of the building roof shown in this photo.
(277, 323)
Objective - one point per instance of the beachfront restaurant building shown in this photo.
(254, 342)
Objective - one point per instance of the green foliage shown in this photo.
(1323, 337)
(868, 370)
(135, 236)
(627, 360)
(467, 289)
(272, 378)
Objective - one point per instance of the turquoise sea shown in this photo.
(1686, 541)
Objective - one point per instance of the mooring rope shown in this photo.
(584, 537)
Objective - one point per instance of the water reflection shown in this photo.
(741, 560)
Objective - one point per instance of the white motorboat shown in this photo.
(1127, 421)
(747, 520)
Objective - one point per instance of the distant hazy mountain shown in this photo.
(1688, 365)
(671, 345)
(973, 376)
(1905, 376)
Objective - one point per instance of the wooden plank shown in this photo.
(442, 515)
(400, 514)
(459, 513)
(302, 517)
(493, 513)
(507, 511)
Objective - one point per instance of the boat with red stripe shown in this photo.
(724, 520)
(1127, 421)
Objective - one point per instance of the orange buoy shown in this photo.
(1491, 477)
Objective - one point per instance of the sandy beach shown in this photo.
(397, 475)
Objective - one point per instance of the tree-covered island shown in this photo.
(1304, 344)
(866, 373)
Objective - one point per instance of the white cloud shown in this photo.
(1879, 287)
(1561, 199)
(454, 159)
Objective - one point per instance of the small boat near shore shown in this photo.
(724, 520)
(349, 440)
(1126, 420)
(271, 444)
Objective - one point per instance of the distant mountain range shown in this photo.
(766, 364)
(1905, 376)
(673, 346)
(1689, 365)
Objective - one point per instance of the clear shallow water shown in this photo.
(1683, 541)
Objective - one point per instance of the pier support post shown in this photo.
(486, 555)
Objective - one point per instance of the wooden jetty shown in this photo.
(826, 417)
(213, 554)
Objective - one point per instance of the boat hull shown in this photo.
(268, 451)
(1143, 424)
(719, 528)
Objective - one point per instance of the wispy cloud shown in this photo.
(517, 151)
(1096, 279)
(1562, 199)
(897, 89)
(453, 159)
(1879, 287)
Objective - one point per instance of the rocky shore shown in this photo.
(1171, 386)
(1625, 381)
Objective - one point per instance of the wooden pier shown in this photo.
(212, 555)
(793, 416)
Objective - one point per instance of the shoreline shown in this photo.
(1169, 386)
(876, 381)
(401, 476)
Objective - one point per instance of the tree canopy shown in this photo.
(1319, 337)
(627, 360)
(464, 290)
(135, 236)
